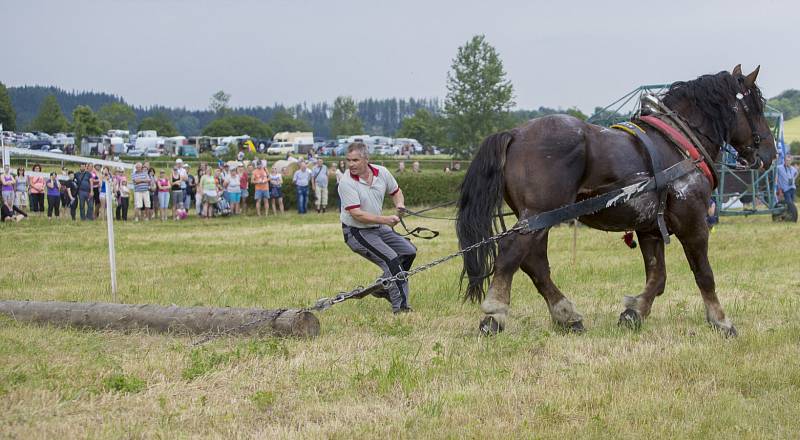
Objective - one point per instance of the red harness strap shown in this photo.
(679, 139)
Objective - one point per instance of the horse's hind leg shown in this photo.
(511, 251)
(638, 307)
(537, 267)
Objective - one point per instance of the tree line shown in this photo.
(479, 101)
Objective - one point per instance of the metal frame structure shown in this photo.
(755, 189)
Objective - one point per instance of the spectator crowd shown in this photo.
(222, 189)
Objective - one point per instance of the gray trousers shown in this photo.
(387, 249)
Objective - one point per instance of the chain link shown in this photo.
(325, 303)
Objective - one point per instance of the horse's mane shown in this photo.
(713, 96)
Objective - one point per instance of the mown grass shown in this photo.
(371, 374)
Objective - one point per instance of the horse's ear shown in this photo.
(737, 70)
(750, 80)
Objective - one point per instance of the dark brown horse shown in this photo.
(555, 161)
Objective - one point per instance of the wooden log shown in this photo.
(172, 319)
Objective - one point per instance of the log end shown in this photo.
(297, 323)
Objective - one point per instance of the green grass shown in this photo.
(371, 374)
(791, 130)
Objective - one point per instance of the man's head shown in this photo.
(415, 166)
(319, 161)
(787, 160)
(178, 163)
(357, 158)
(138, 166)
(303, 165)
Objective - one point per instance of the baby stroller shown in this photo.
(222, 208)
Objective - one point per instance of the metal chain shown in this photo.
(238, 329)
(325, 303)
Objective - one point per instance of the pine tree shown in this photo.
(85, 122)
(50, 118)
(479, 97)
(8, 118)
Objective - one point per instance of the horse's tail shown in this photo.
(481, 196)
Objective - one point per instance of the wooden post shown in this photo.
(170, 319)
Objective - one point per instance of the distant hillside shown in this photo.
(791, 130)
(788, 102)
(380, 116)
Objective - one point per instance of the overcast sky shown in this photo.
(556, 53)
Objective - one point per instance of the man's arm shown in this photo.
(369, 218)
(399, 200)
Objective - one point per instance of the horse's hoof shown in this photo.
(728, 331)
(630, 318)
(490, 326)
(572, 327)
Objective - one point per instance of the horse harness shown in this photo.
(676, 131)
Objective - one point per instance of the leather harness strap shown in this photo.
(655, 164)
(687, 147)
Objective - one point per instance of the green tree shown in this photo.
(50, 118)
(8, 117)
(219, 103)
(479, 97)
(235, 125)
(794, 148)
(85, 122)
(159, 122)
(575, 111)
(282, 120)
(344, 119)
(424, 126)
(119, 115)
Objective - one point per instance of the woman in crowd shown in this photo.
(70, 194)
(123, 192)
(275, 192)
(7, 180)
(21, 189)
(163, 194)
(208, 188)
(191, 189)
(176, 186)
(37, 190)
(244, 184)
(151, 172)
(198, 197)
(53, 196)
(233, 187)
(105, 176)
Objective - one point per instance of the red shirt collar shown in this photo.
(374, 172)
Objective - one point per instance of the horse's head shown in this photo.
(750, 134)
(726, 108)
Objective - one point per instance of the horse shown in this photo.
(554, 161)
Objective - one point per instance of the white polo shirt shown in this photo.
(355, 192)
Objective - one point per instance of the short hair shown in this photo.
(360, 147)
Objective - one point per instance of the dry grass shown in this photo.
(370, 374)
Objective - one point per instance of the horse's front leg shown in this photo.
(511, 251)
(695, 246)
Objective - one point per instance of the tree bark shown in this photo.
(174, 319)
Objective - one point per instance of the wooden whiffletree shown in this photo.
(173, 319)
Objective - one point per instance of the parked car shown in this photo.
(281, 148)
(386, 150)
(221, 150)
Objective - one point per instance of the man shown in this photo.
(71, 194)
(366, 231)
(785, 181)
(83, 181)
(261, 181)
(301, 180)
(141, 192)
(320, 184)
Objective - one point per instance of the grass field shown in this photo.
(791, 130)
(373, 375)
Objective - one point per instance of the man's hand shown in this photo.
(392, 220)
